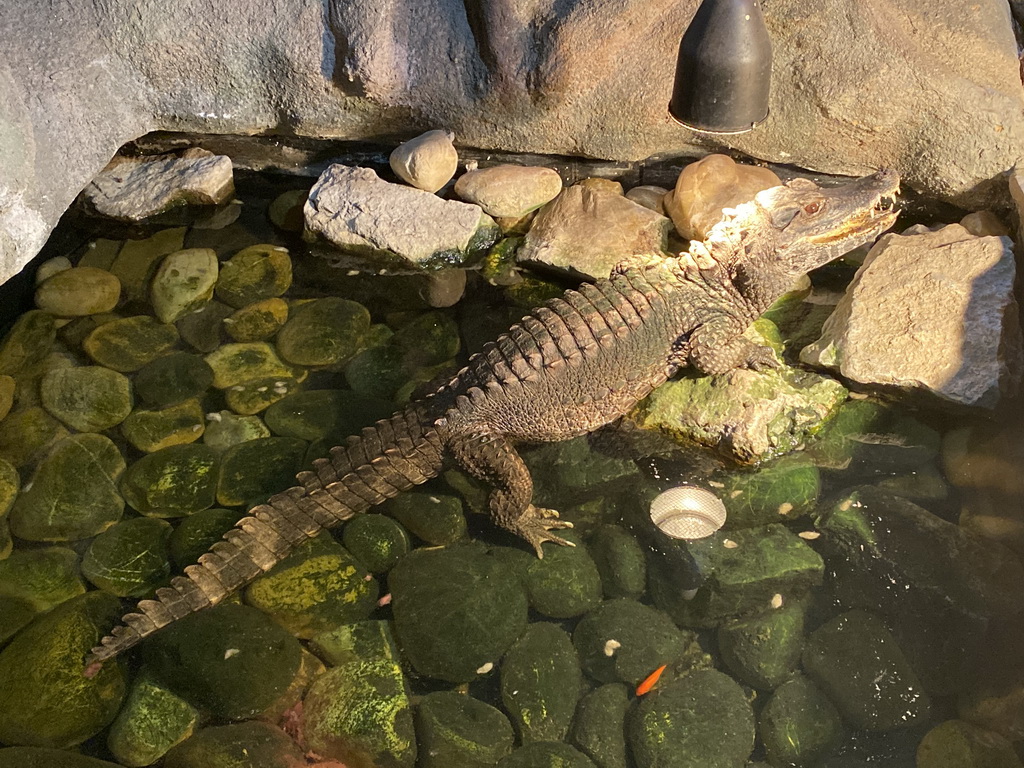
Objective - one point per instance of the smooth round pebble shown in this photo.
(78, 291)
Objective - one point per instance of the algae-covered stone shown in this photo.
(151, 431)
(29, 341)
(599, 727)
(540, 682)
(701, 720)
(317, 587)
(235, 364)
(763, 650)
(74, 332)
(782, 490)
(457, 730)
(857, 662)
(376, 541)
(15, 612)
(183, 283)
(456, 610)
(27, 385)
(317, 414)
(799, 725)
(243, 745)
(27, 434)
(43, 578)
(6, 542)
(47, 701)
(258, 321)
(127, 344)
(624, 641)
(79, 291)
(10, 484)
(433, 517)
(172, 482)
(324, 332)
(959, 744)
(258, 468)
(569, 472)
(137, 261)
(252, 397)
(565, 583)
(253, 274)
(359, 713)
(225, 429)
(152, 721)
(546, 754)
(428, 339)
(360, 640)
(130, 558)
(40, 757)
(173, 379)
(378, 371)
(89, 399)
(196, 533)
(203, 330)
(285, 210)
(231, 660)
(620, 561)
(73, 494)
(7, 387)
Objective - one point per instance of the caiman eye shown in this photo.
(812, 208)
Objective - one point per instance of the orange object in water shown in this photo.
(650, 681)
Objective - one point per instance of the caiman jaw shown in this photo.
(872, 213)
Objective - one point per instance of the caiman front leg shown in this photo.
(718, 347)
(492, 458)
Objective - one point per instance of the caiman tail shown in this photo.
(392, 456)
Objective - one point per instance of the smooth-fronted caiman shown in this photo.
(573, 365)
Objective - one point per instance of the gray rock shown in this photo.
(955, 333)
(509, 191)
(649, 196)
(131, 189)
(357, 212)
(427, 162)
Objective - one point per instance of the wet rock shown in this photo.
(649, 196)
(7, 387)
(435, 518)
(763, 651)
(358, 641)
(73, 494)
(509, 191)
(130, 558)
(545, 754)
(702, 719)
(568, 472)
(585, 233)
(456, 611)
(599, 726)
(951, 338)
(10, 484)
(377, 372)
(28, 434)
(316, 588)
(782, 490)
(624, 641)
(540, 682)
(317, 414)
(231, 660)
(128, 344)
(196, 533)
(183, 283)
(202, 330)
(254, 396)
(100, 252)
(285, 211)
(47, 700)
(172, 482)
(620, 561)
(132, 189)
(958, 744)
(151, 722)
(137, 261)
(27, 384)
(79, 291)
(859, 665)
(565, 583)
(253, 274)
(173, 379)
(89, 399)
(33, 581)
(40, 757)
(258, 321)
(323, 332)
(707, 186)
(429, 339)
(235, 364)
(225, 429)
(252, 745)
(741, 573)
(355, 211)
(28, 341)
(798, 724)
(427, 162)
(376, 541)
(992, 695)
(253, 470)
(444, 287)
(455, 729)
(51, 267)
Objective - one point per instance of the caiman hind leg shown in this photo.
(492, 458)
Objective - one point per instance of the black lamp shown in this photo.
(723, 73)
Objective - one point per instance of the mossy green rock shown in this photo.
(540, 682)
(10, 484)
(47, 701)
(799, 725)
(43, 578)
(27, 434)
(6, 542)
(183, 283)
(959, 744)
(151, 722)
(258, 468)
(433, 517)
(376, 541)
(599, 727)
(244, 745)
(137, 261)
(7, 387)
(15, 613)
(225, 429)
(285, 210)
(620, 561)
(322, 413)
(173, 379)
(455, 610)
(429, 339)
(641, 639)
(204, 330)
(231, 660)
(195, 534)
(38, 757)
(324, 332)
(566, 473)
(255, 396)
(564, 584)
(357, 641)
(29, 341)
(359, 713)
(74, 492)
(258, 321)
(127, 344)
(701, 720)
(377, 371)
(316, 588)
(782, 490)
(457, 730)
(27, 385)
(88, 399)
(151, 431)
(253, 274)
(859, 665)
(130, 558)
(79, 291)
(764, 650)
(742, 571)
(172, 482)
(235, 364)
(546, 754)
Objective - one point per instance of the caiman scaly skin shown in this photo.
(567, 368)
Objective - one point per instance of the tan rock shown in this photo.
(597, 183)
(649, 196)
(427, 162)
(509, 191)
(983, 223)
(79, 291)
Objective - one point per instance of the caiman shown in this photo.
(569, 367)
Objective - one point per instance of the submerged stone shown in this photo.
(798, 725)
(43, 578)
(322, 332)
(255, 396)
(195, 534)
(130, 558)
(455, 729)
(151, 722)
(258, 468)
(377, 372)
(258, 321)
(599, 725)
(763, 650)
(235, 364)
(151, 431)
(545, 754)
(127, 344)
(172, 482)
(137, 261)
(28, 341)
(285, 210)
(569, 472)
(324, 413)
(253, 274)
(435, 518)
(10, 485)
(243, 745)
(41, 757)
(203, 330)
(620, 561)
(959, 744)
(225, 429)
(89, 399)
(7, 387)
(28, 434)
(183, 283)
(173, 379)
(565, 583)
(79, 291)
(782, 490)
(376, 541)
(358, 641)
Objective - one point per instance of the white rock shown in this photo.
(427, 162)
(509, 191)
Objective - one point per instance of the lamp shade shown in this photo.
(723, 73)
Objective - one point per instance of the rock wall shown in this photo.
(930, 87)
